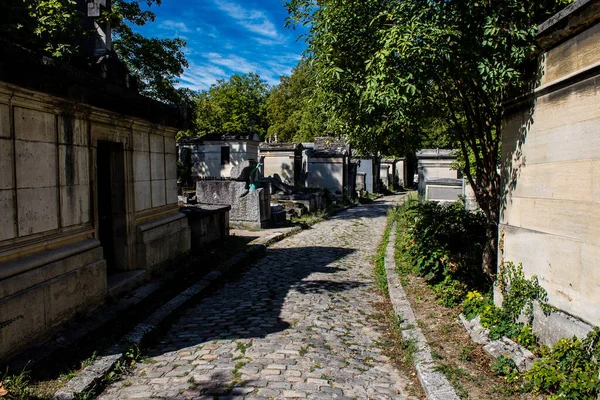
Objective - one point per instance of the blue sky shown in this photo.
(225, 37)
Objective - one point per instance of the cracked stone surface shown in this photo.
(294, 325)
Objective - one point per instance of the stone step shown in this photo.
(124, 282)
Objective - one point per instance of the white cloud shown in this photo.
(206, 29)
(214, 66)
(232, 62)
(253, 20)
(201, 77)
(174, 25)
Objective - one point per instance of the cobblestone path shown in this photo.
(295, 325)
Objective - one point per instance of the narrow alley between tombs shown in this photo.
(294, 325)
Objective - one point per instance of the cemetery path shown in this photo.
(294, 325)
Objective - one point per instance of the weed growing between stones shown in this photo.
(380, 274)
(242, 347)
(394, 346)
(15, 386)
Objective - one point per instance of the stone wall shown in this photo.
(550, 217)
(206, 156)
(52, 264)
(435, 164)
(327, 172)
(366, 166)
(280, 164)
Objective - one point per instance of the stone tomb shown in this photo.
(88, 193)
(329, 166)
(283, 160)
(550, 208)
(249, 208)
(435, 164)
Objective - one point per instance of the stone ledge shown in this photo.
(21, 265)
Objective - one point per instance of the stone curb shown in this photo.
(92, 375)
(434, 383)
(522, 357)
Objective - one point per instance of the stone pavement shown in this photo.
(294, 325)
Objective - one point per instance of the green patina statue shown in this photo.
(255, 178)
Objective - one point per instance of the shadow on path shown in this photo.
(250, 306)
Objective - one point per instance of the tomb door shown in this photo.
(112, 225)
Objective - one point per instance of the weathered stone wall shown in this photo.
(366, 167)
(280, 163)
(206, 157)
(550, 217)
(327, 172)
(435, 169)
(401, 172)
(51, 259)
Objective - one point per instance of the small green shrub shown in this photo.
(520, 293)
(443, 241)
(475, 303)
(450, 292)
(569, 370)
(503, 366)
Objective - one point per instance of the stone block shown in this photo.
(171, 191)
(207, 225)
(162, 240)
(143, 196)
(34, 125)
(158, 193)
(36, 164)
(74, 205)
(49, 265)
(141, 141)
(141, 166)
(5, 131)
(7, 215)
(157, 144)
(170, 145)
(27, 313)
(6, 164)
(157, 166)
(73, 131)
(573, 55)
(522, 357)
(247, 208)
(37, 210)
(551, 328)
(171, 166)
(50, 303)
(80, 290)
(74, 165)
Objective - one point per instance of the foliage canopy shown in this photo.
(396, 68)
(234, 106)
(58, 28)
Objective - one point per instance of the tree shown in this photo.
(393, 65)
(234, 106)
(57, 28)
(295, 111)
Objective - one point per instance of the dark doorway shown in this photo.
(110, 178)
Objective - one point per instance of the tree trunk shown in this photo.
(490, 250)
(491, 209)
